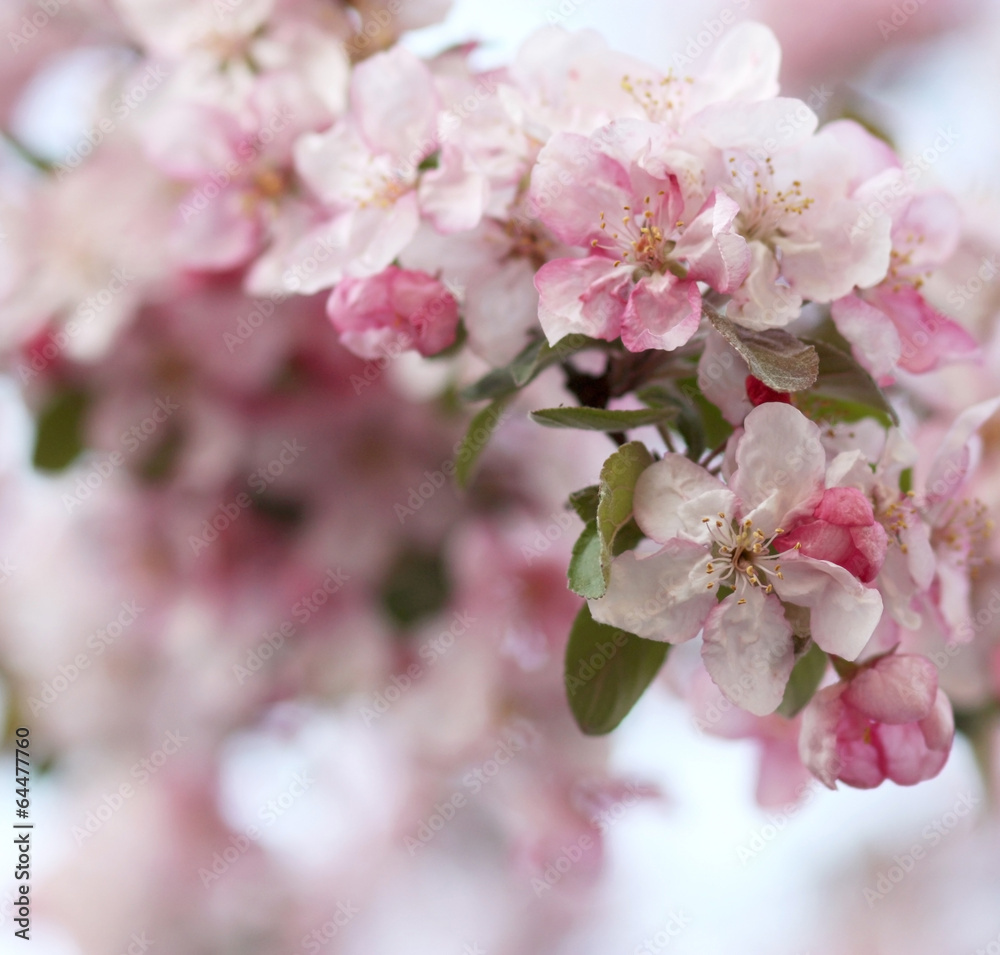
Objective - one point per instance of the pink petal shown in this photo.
(914, 752)
(845, 506)
(928, 338)
(396, 104)
(581, 296)
(715, 253)
(899, 688)
(662, 312)
(572, 183)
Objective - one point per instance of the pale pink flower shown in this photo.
(888, 721)
(649, 242)
(379, 171)
(715, 536)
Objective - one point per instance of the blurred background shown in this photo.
(332, 718)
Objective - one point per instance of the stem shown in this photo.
(42, 165)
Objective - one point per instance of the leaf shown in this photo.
(584, 574)
(804, 681)
(480, 431)
(59, 439)
(614, 506)
(416, 587)
(844, 391)
(714, 428)
(533, 359)
(600, 419)
(607, 670)
(584, 502)
(774, 356)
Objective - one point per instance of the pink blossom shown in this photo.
(888, 721)
(842, 530)
(649, 243)
(713, 537)
(396, 308)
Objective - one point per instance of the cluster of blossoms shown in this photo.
(315, 248)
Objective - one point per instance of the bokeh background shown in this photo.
(295, 708)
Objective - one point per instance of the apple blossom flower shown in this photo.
(378, 171)
(887, 721)
(650, 239)
(715, 537)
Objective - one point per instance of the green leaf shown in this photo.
(480, 431)
(607, 670)
(416, 587)
(774, 356)
(600, 419)
(714, 428)
(584, 575)
(59, 439)
(614, 507)
(804, 681)
(584, 502)
(533, 359)
(844, 391)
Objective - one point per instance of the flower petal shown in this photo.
(652, 596)
(662, 312)
(748, 650)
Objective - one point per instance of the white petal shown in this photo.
(748, 650)
(652, 597)
(781, 465)
(844, 613)
(664, 486)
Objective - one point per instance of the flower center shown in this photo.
(662, 100)
(741, 552)
(762, 207)
(640, 241)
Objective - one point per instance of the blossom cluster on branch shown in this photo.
(317, 249)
